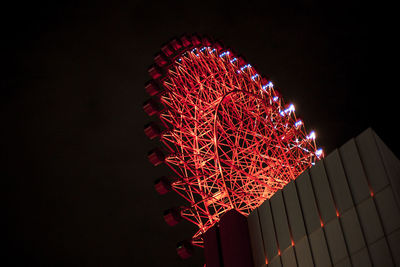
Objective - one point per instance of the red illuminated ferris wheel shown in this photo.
(227, 135)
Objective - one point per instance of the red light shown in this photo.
(371, 192)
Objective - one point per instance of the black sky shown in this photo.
(78, 188)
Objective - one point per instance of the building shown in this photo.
(344, 211)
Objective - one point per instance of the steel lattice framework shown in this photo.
(230, 139)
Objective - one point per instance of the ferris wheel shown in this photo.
(226, 133)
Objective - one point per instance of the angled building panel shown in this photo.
(308, 204)
(354, 170)
(380, 253)
(394, 245)
(361, 258)
(353, 234)
(344, 263)
(323, 192)
(388, 210)
(319, 248)
(338, 182)
(280, 221)
(303, 253)
(268, 230)
(288, 258)
(295, 215)
(371, 160)
(335, 239)
(370, 222)
(392, 167)
(275, 262)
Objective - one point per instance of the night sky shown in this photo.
(78, 187)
